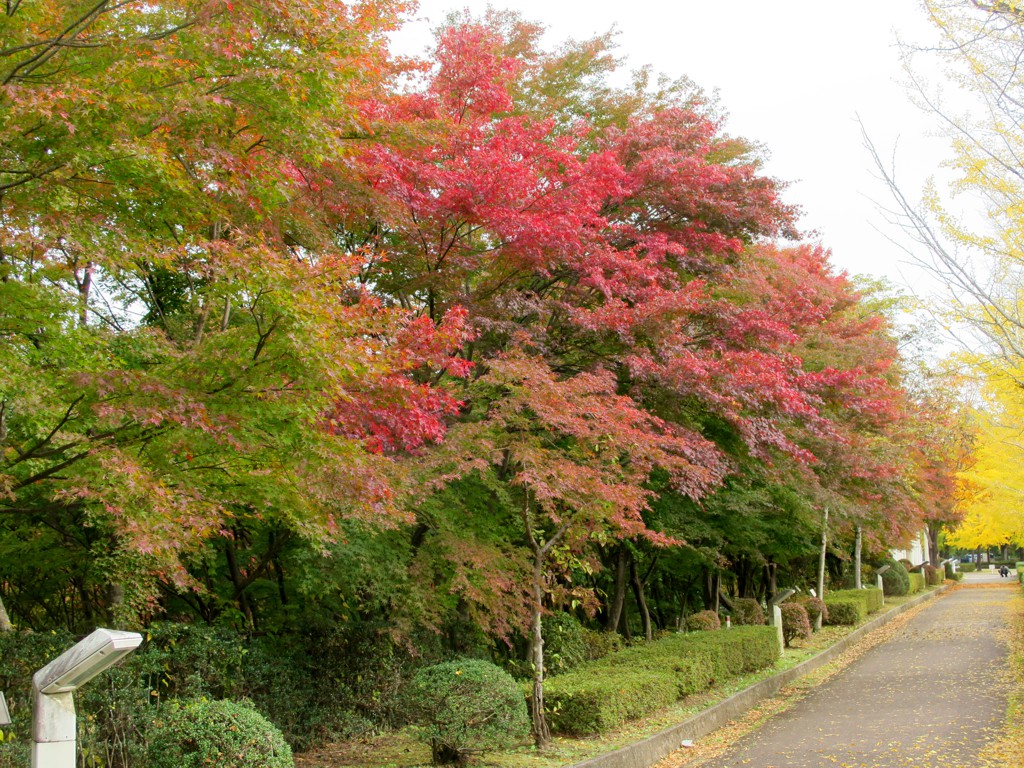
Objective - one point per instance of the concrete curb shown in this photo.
(655, 748)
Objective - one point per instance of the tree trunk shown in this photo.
(932, 532)
(821, 560)
(856, 560)
(619, 599)
(641, 600)
(771, 586)
(241, 598)
(5, 620)
(541, 732)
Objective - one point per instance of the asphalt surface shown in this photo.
(931, 697)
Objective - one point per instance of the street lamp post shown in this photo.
(53, 688)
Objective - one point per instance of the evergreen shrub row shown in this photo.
(871, 598)
(599, 696)
(916, 583)
(844, 611)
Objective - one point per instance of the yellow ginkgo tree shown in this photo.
(992, 489)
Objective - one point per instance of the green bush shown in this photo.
(896, 580)
(746, 611)
(815, 607)
(228, 734)
(591, 701)
(564, 646)
(702, 621)
(916, 582)
(933, 576)
(968, 567)
(844, 611)
(871, 599)
(795, 622)
(466, 706)
(875, 599)
(21, 654)
(599, 644)
(601, 695)
(298, 685)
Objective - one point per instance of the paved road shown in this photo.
(931, 697)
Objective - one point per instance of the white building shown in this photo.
(917, 552)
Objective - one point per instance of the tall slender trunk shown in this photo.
(821, 560)
(619, 598)
(641, 600)
(241, 598)
(856, 560)
(541, 731)
(770, 583)
(5, 620)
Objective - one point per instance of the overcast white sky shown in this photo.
(792, 75)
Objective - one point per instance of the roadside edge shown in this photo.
(653, 749)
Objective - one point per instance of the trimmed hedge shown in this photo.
(916, 582)
(870, 598)
(845, 611)
(702, 621)
(584, 702)
(602, 695)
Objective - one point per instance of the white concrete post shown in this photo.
(53, 688)
(777, 623)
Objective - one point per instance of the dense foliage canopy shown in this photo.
(294, 333)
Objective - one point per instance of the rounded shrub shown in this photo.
(702, 621)
(229, 734)
(464, 707)
(896, 580)
(599, 644)
(815, 607)
(795, 622)
(746, 611)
